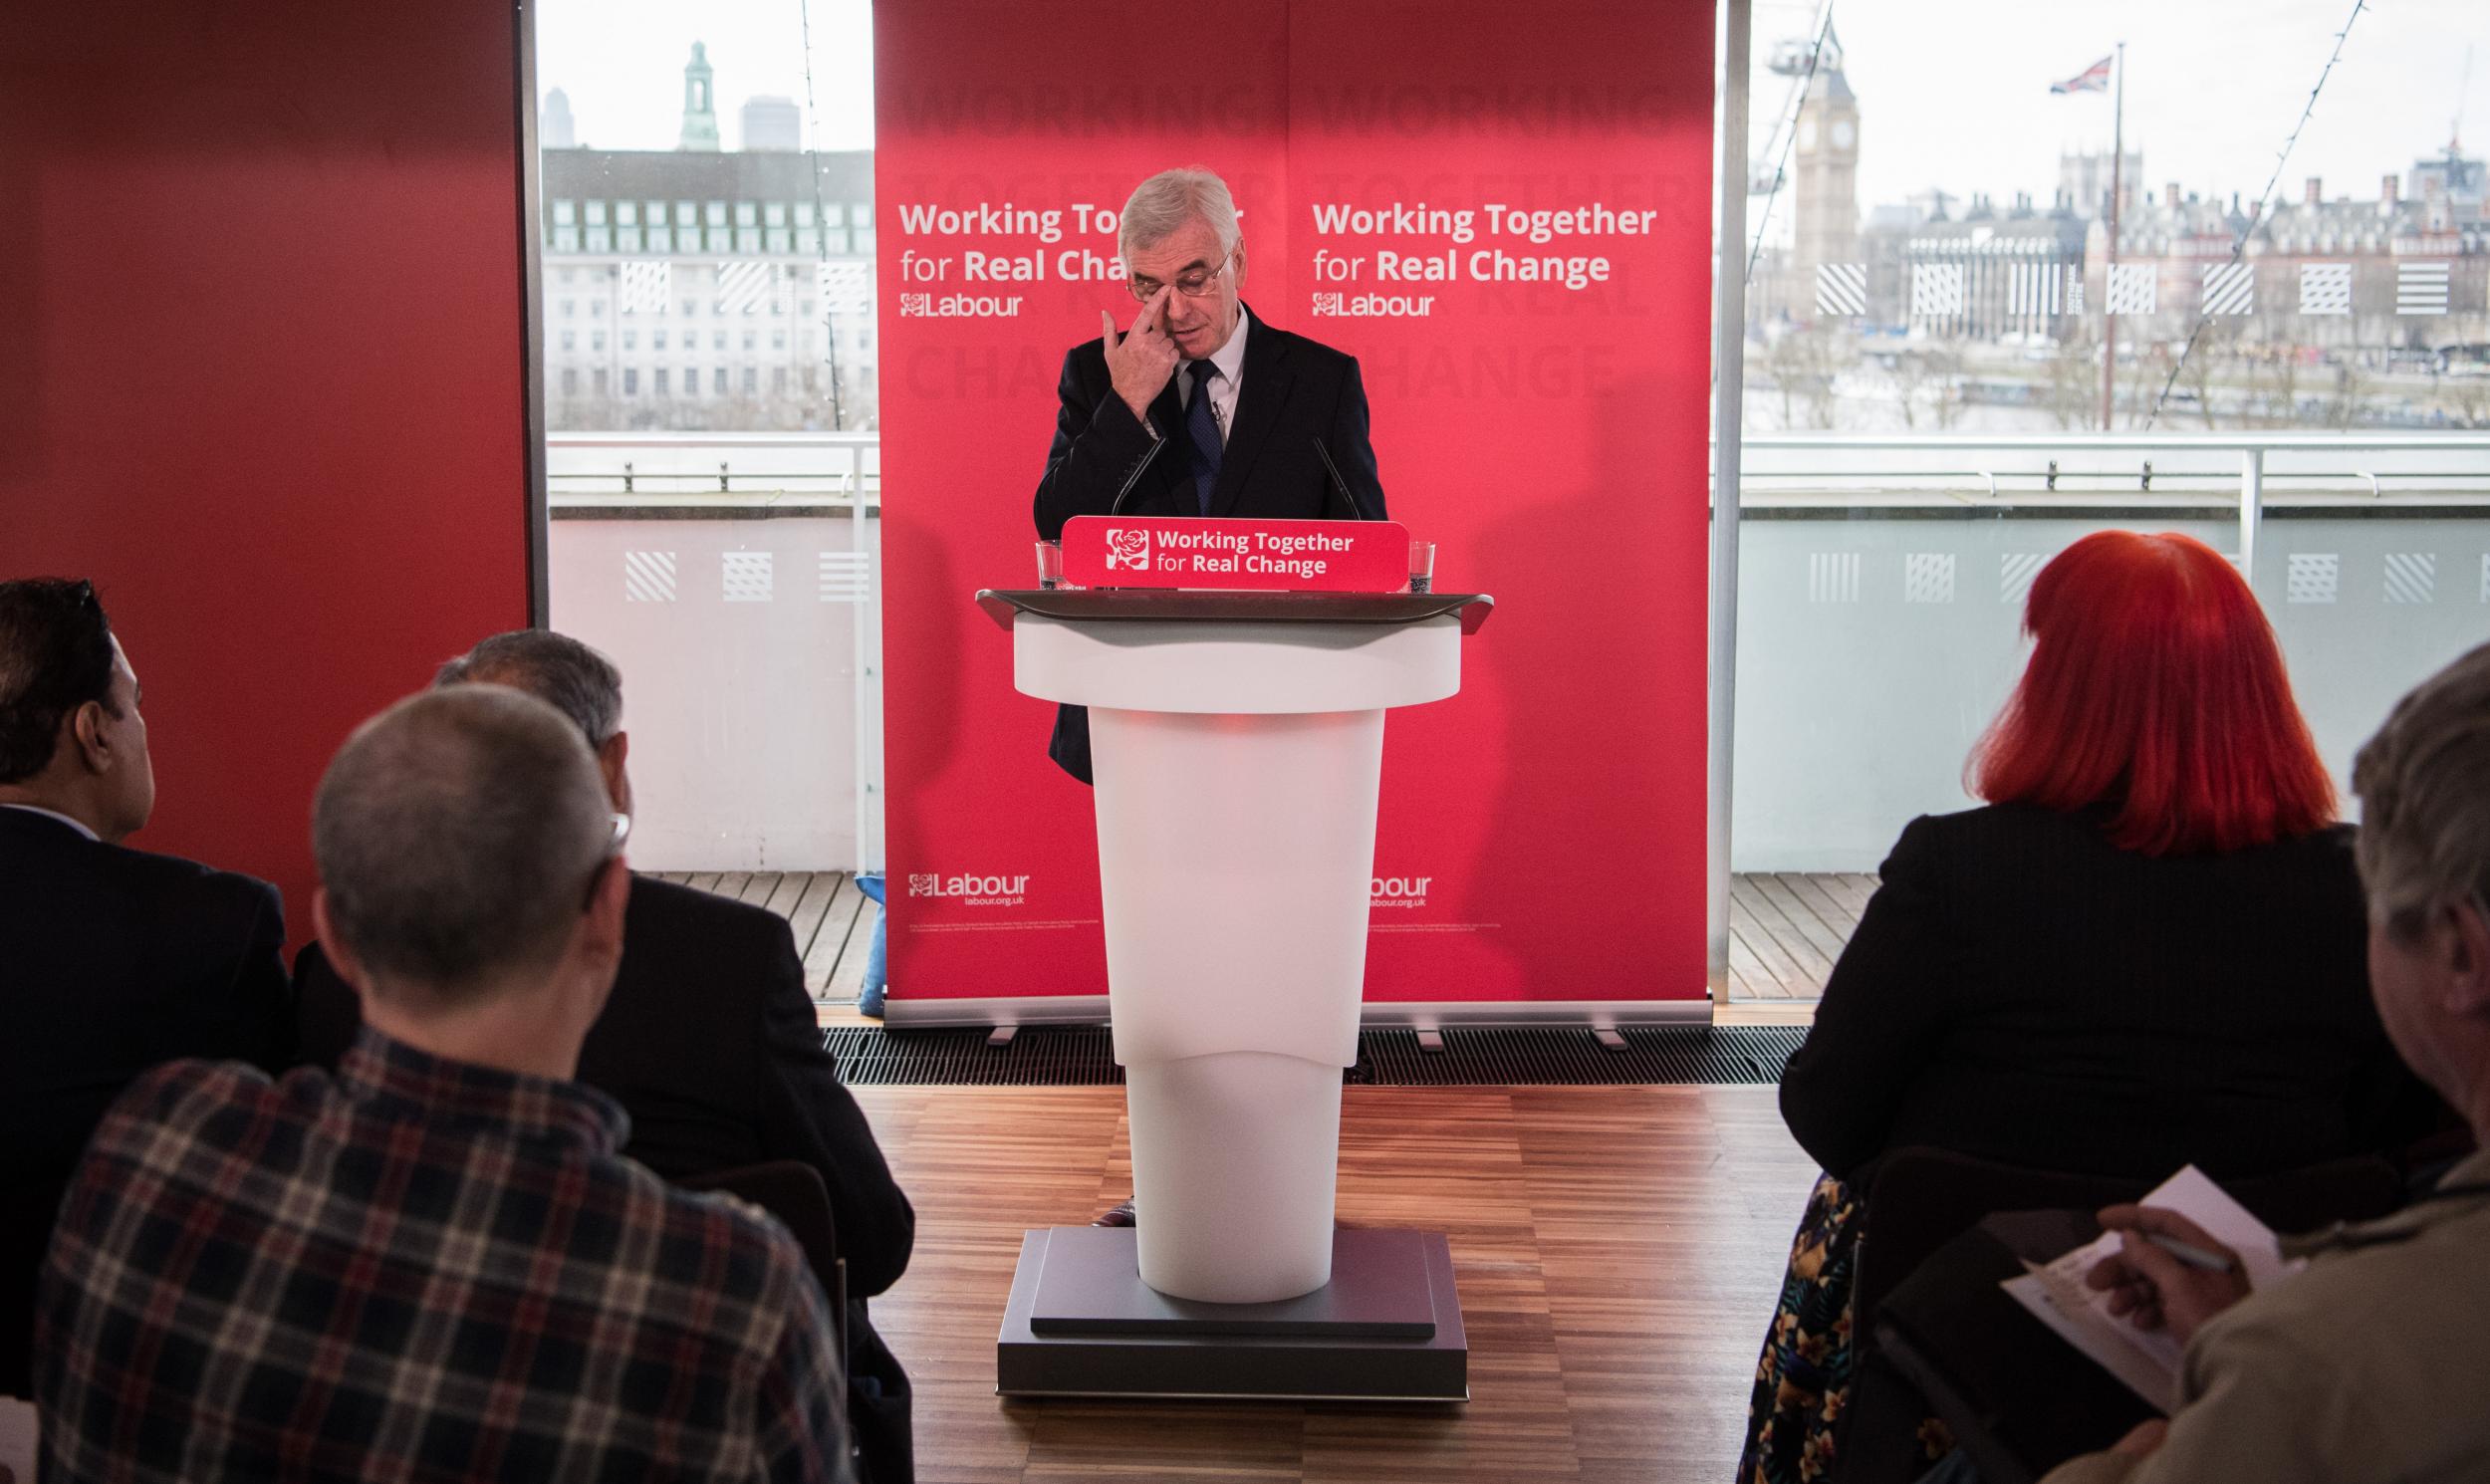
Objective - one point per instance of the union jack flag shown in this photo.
(2093, 78)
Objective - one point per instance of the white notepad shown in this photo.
(2146, 1361)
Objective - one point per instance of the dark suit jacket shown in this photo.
(2021, 990)
(112, 961)
(1293, 391)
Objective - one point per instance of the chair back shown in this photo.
(1922, 1198)
(793, 1192)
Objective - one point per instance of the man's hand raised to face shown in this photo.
(1144, 358)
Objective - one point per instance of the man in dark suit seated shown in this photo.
(111, 960)
(1201, 408)
(709, 1041)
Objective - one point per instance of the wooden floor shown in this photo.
(1617, 1251)
(1786, 928)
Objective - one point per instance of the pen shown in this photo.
(2193, 1255)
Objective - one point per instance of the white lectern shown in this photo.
(1237, 743)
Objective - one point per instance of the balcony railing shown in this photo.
(1880, 592)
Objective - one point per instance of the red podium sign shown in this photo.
(1102, 551)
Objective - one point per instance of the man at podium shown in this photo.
(1200, 408)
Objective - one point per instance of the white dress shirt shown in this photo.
(1230, 359)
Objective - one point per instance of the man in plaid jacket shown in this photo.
(433, 1265)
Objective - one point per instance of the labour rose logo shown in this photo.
(923, 883)
(1127, 548)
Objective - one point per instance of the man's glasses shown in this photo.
(1193, 284)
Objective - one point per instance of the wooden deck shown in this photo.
(1786, 928)
(833, 920)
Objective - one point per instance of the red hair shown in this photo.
(2156, 686)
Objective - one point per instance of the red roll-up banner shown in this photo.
(1504, 213)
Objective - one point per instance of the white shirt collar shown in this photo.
(1230, 358)
(76, 825)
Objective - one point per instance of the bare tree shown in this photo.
(2074, 378)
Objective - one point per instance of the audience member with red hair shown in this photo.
(2146, 951)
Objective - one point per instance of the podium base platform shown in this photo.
(1081, 1322)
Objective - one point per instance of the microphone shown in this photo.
(1133, 478)
(1338, 483)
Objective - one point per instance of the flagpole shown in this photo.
(2110, 260)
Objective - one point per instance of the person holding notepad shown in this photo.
(2368, 1364)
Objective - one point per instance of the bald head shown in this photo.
(459, 835)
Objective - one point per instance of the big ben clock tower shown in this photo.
(1825, 213)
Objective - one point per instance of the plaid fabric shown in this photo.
(418, 1270)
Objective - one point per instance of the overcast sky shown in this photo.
(622, 63)
(1955, 93)
(1951, 93)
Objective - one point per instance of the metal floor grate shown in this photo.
(1538, 1055)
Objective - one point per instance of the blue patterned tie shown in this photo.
(1203, 430)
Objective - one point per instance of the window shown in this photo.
(778, 379)
(691, 307)
(659, 387)
(1918, 300)
(751, 338)
(627, 213)
(717, 339)
(716, 213)
(569, 306)
(570, 380)
(630, 381)
(778, 339)
(657, 341)
(570, 339)
(804, 307)
(564, 213)
(745, 214)
(833, 215)
(631, 340)
(774, 215)
(718, 380)
(596, 213)
(598, 376)
(597, 341)
(778, 305)
(596, 309)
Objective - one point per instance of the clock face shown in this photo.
(1807, 133)
(1842, 133)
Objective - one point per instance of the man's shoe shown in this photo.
(868, 1003)
(1119, 1214)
